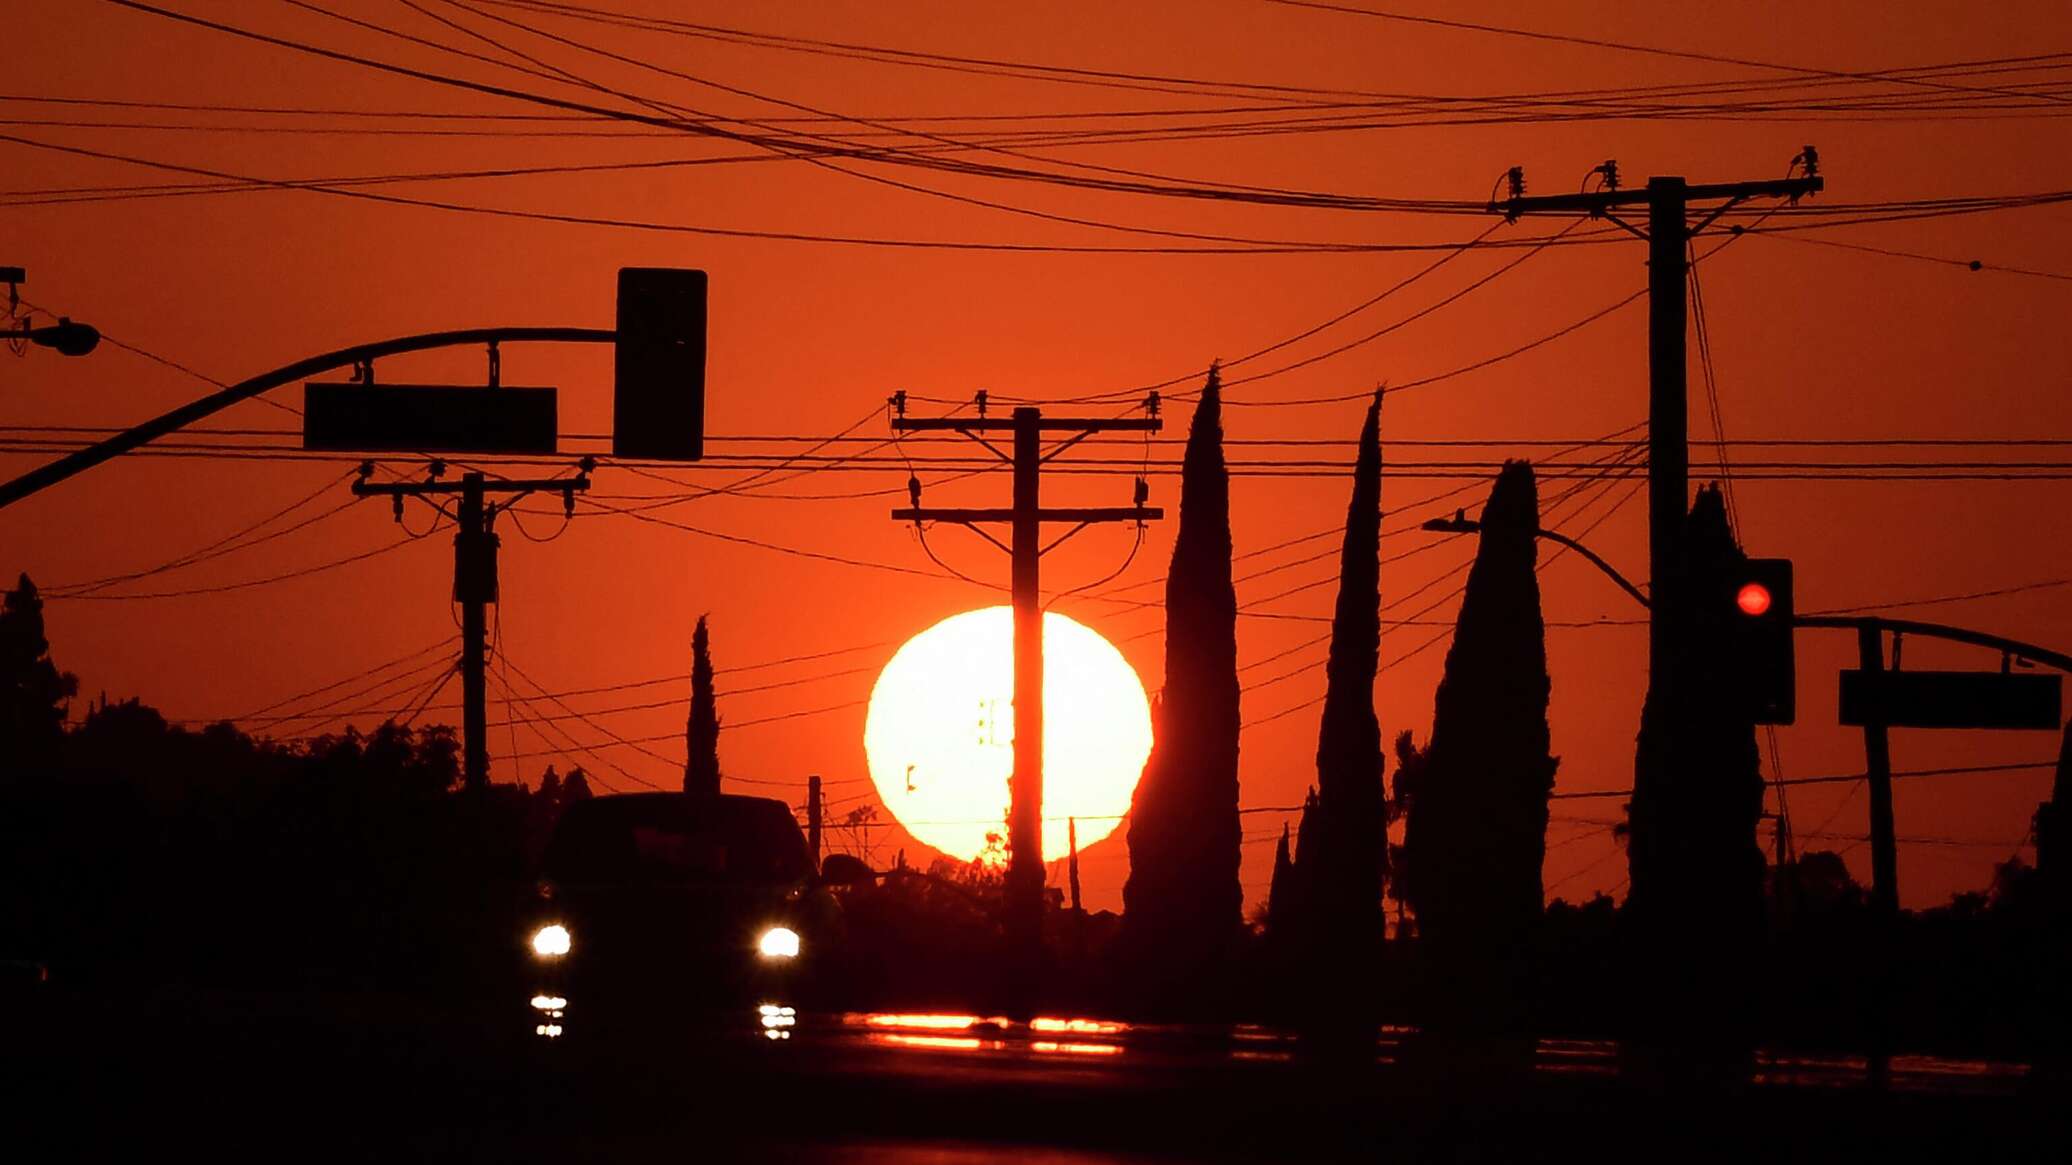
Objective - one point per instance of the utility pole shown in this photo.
(474, 582)
(1669, 202)
(1026, 518)
(1877, 767)
(1072, 867)
(813, 810)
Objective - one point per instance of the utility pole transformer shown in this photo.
(474, 584)
(1026, 518)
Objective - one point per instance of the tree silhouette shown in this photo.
(1280, 893)
(1410, 768)
(701, 732)
(575, 787)
(1344, 850)
(33, 692)
(1477, 828)
(1695, 912)
(2053, 826)
(1182, 901)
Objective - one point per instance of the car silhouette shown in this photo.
(657, 902)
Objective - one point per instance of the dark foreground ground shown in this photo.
(158, 1076)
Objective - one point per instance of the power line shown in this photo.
(1966, 264)
(298, 697)
(243, 584)
(1844, 778)
(1621, 46)
(229, 544)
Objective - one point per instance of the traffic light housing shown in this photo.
(1752, 601)
(658, 375)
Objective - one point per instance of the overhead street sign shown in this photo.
(1952, 699)
(428, 418)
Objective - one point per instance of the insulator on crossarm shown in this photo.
(1514, 183)
(980, 400)
(1151, 403)
(914, 490)
(1142, 492)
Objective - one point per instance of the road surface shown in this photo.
(331, 1075)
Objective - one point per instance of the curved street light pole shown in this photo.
(1461, 525)
(71, 464)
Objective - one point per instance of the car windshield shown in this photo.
(667, 838)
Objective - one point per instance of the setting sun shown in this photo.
(940, 732)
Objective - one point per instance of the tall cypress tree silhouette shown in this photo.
(1182, 901)
(1346, 851)
(1695, 913)
(1476, 834)
(1280, 893)
(701, 731)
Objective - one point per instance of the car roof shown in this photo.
(760, 824)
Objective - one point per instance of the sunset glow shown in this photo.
(940, 732)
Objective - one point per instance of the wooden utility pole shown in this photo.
(474, 584)
(1669, 202)
(813, 811)
(1072, 867)
(1877, 768)
(1026, 518)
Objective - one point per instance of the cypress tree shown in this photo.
(701, 731)
(1348, 853)
(1696, 906)
(1182, 902)
(1280, 893)
(1477, 828)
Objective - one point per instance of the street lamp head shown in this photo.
(1457, 524)
(68, 338)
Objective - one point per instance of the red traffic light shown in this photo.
(1753, 599)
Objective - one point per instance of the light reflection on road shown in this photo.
(1056, 1038)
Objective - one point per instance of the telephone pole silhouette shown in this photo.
(1669, 232)
(814, 809)
(1024, 906)
(474, 582)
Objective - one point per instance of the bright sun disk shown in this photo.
(940, 732)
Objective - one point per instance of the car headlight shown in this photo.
(778, 942)
(550, 941)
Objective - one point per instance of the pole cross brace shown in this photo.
(969, 517)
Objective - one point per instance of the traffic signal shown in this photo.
(1752, 606)
(658, 379)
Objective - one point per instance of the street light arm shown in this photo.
(1554, 536)
(1460, 525)
(82, 460)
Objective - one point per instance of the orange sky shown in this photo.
(807, 338)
